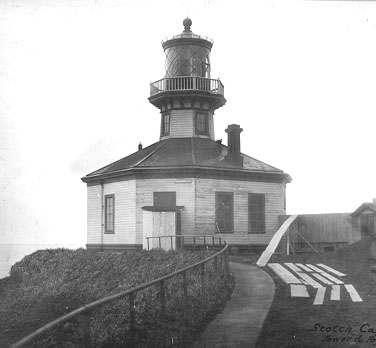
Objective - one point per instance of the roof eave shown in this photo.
(187, 170)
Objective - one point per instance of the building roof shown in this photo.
(186, 154)
(363, 207)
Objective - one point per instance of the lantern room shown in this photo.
(187, 54)
(187, 96)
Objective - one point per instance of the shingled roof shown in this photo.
(184, 154)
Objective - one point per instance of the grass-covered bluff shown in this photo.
(50, 283)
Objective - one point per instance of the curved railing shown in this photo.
(220, 262)
(185, 83)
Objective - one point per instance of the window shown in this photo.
(201, 123)
(206, 70)
(165, 199)
(165, 126)
(109, 213)
(256, 213)
(224, 212)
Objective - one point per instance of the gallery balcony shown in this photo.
(185, 86)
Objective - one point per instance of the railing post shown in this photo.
(216, 264)
(182, 242)
(185, 295)
(159, 239)
(162, 298)
(227, 265)
(171, 244)
(194, 243)
(148, 243)
(203, 280)
(85, 329)
(194, 82)
(132, 321)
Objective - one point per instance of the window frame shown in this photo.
(206, 123)
(165, 132)
(252, 214)
(106, 214)
(219, 214)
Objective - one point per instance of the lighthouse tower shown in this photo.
(187, 96)
(187, 182)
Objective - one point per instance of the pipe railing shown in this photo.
(186, 83)
(220, 262)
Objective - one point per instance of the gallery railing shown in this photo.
(194, 83)
(216, 260)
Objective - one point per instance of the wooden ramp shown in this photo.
(270, 249)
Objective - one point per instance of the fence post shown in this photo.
(159, 238)
(185, 295)
(216, 264)
(227, 265)
(132, 325)
(203, 280)
(148, 243)
(85, 329)
(163, 299)
(171, 244)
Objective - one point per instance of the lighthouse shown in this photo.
(187, 182)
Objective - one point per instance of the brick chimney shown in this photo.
(233, 145)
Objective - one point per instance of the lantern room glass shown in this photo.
(187, 60)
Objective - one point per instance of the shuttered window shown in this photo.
(109, 214)
(224, 212)
(201, 123)
(165, 199)
(165, 124)
(256, 213)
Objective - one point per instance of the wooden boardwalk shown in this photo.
(300, 276)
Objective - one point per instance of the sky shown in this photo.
(299, 77)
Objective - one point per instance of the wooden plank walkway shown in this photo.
(284, 274)
(322, 279)
(320, 294)
(335, 294)
(331, 270)
(309, 280)
(298, 290)
(293, 267)
(304, 267)
(299, 276)
(353, 293)
(270, 249)
(325, 274)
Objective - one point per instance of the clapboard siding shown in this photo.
(125, 213)
(182, 124)
(325, 228)
(205, 207)
(184, 189)
(94, 214)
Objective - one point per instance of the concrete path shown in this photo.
(241, 321)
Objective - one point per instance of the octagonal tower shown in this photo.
(187, 97)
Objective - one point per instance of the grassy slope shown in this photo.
(50, 283)
(289, 319)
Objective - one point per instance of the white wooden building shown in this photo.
(187, 182)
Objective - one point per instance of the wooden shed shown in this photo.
(365, 219)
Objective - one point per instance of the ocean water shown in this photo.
(12, 253)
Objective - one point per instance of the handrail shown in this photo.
(182, 83)
(93, 305)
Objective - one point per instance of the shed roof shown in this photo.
(363, 207)
(183, 153)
